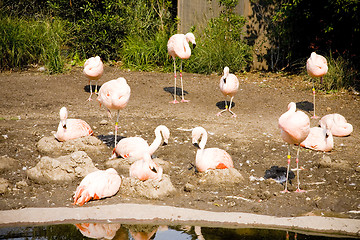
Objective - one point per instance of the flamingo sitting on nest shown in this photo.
(97, 185)
(69, 129)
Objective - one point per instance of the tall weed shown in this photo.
(25, 42)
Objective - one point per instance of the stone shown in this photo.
(4, 185)
(51, 146)
(221, 176)
(64, 168)
(7, 163)
(150, 189)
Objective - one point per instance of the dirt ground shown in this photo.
(30, 104)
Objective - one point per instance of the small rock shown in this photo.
(189, 187)
(103, 122)
(7, 163)
(4, 184)
(324, 162)
(21, 184)
(219, 176)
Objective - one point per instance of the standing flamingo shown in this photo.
(145, 169)
(135, 146)
(178, 46)
(295, 127)
(319, 139)
(337, 124)
(229, 85)
(71, 128)
(93, 70)
(209, 158)
(97, 185)
(115, 95)
(316, 66)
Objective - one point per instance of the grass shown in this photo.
(24, 42)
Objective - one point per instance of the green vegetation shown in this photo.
(25, 42)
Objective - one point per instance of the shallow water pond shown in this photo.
(128, 232)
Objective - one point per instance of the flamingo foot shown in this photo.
(285, 191)
(315, 117)
(183, 100)
(299, 190)
(89, 99)
(175, 101)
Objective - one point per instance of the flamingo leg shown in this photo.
(313, 90)
(297, 169)
(233, 114)
(96, 91)
(116, 126)
(175, 101)
(182, 86)
(226, 108)
(89, 99)
(287, 171)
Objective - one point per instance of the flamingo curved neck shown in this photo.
(156, 143)
(203, 140)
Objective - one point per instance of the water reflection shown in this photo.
(119, 231)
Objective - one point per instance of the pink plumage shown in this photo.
(337, 124)
(209, 158)
(178, 46)
(229, 86)
(69, 129)
(98, 230)
(319, 139)
(295, 127)
(134, 147)
(316, 65)
(145, 169)
(114, 95)
(97, 185)
(93, 70)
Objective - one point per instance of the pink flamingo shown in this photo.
(178, 46)
(145, 169)
(316, 66)
(93, 70)
(229, 85)
(209, 158)
(98, 230)
(71, 128)
(97, 185)
(295, 127)
(319, 139)
(337, 124)
(135, 146)
(115, 95)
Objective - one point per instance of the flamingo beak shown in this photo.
(196, 144)
(194, 45)
(153, 169)
(165, 143)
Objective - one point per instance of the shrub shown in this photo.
(25, 42)
(221, 45)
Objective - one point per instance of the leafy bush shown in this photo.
(340, 74)
(221, 45)
(25, 42)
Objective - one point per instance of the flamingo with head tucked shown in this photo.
(135, 146)
(115, 95)
(319, 139)
(337, 124)
(93, 70)
(229, 85)
(69, 129)
(295, 127)
(209, 158)
(97, 185)
(145, 169)
(316, 66)
(178, 46)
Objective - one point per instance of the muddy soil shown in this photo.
(30, 104)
